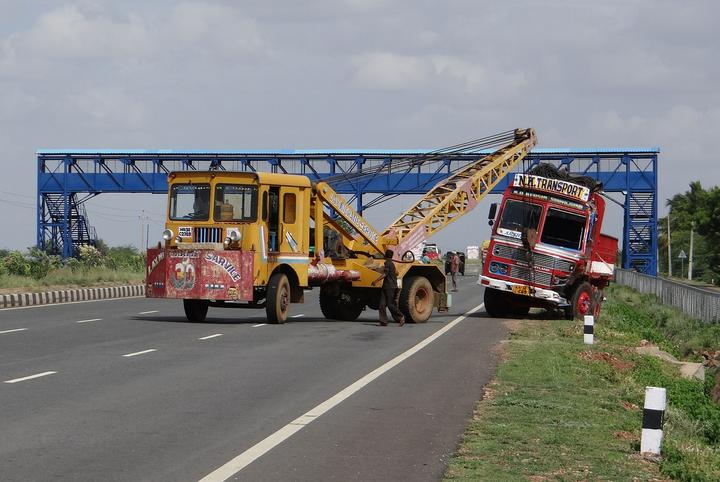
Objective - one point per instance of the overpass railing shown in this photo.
(699, 303)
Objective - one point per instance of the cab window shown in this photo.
(563, 229)
(235, 202)
(190, 201)
(289, 208)
(517, 216)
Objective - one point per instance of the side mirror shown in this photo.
(491, 214)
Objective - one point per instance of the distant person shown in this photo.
(454, 268)
(388, 291)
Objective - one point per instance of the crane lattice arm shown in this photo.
(453, 197)
(363, 230)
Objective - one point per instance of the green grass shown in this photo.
(65, 277)
(562, 410)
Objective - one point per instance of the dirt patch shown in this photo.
(625, 435)
(615, 362)
(629, 406)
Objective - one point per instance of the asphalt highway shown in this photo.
(128, 390)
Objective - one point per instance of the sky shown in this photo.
(363, 74)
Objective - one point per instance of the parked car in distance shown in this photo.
(448, 257)
(431, 251)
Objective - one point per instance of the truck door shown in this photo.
(271, 213)
(290, 236)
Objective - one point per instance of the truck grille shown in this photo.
(523, 274)
(542, 260)
(207, 235)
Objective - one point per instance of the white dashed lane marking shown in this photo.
(231, 468)
(38, 375)
(148, 312)
(12, 331)
(88, 321)
(210, 336)
(259, 324)
(297, 316)
(141, 352)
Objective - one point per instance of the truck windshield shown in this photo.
(563, 229)
(190, 201)
(517, 216)
(235, 202)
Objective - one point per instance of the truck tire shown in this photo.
(328, 305)
(342, 306)
(583, 301)
(278, 299)
(416, 299)
(196, 310)
(497, 303)
(519, 306)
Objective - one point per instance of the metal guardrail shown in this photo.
(699, 303)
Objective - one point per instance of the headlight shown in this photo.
(234, 236)
(178, 240)
(167, 234)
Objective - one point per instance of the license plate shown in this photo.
(521, 290)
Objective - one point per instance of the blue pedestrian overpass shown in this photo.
(68, 178)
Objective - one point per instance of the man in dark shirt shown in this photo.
(387, 293)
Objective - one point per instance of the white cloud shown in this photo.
(70, 32)
(108, 107)
(389, 71)
(74, 32)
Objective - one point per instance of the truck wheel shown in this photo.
(278, 299)
(342, 306)
(519, 307)
(583, 301)
(328, 305)
(196, 310)
(417, 299)
(497, 304)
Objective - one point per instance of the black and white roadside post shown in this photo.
(589, 330)
(653, 414)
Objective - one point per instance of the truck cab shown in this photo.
(546, 249)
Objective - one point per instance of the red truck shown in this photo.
(546, 248)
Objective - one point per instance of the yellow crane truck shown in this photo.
(260, 240)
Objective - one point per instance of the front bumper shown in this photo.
(537, 293)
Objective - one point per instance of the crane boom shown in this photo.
(451, 198)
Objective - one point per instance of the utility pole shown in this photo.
(669, 250)
(690, 258)
(141, 219)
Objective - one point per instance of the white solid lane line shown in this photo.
(38, 375)
(259, 324)
(13, 331)
(141, 352)
(147, 312)
(88, 321)
(210, 336)
(297, 316)
(258, 450)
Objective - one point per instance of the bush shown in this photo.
(41, 263)
(125, 258)
(90, 257)
(16, 264)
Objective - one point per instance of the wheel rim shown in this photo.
(583, 303)
(283, 299)
(421, 300)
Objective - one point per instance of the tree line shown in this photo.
(696, 210)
